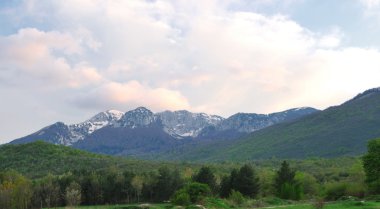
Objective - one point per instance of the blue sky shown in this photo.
(67, 60)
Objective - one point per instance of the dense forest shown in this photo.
(89, 179)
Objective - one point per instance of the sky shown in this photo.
(66, 60)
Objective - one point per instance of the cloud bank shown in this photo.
(72, 57)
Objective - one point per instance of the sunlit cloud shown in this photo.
(209, 56)
(131, 95)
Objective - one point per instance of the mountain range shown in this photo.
(341, 130)
(142, 133)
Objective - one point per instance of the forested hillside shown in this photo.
(40, 158)
(342, 130)
(39, 173)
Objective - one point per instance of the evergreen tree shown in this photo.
(225, 187)
(228, 183)
(284, 175)
(167, 183)
(206, 176)
(285, 184)
(247, 182)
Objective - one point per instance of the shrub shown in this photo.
(236, 197)
(275, 201)
(197, 191)
(335, 190)
(191, 193)
(356, 189)
(181, 197)
(291, 191)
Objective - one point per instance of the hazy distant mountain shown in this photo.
(337, 131)
(140, 132)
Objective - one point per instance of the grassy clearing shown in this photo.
(129, 206)
(219, 204)
(342, 205)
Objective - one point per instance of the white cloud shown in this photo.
(41, 58)
(370, 3)
(201, 56)
(371, 9)
(131, 95)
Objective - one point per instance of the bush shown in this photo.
(275, 201)
(181, 197)
(236, 197)
(335, 191)
(197, 191)
(356, 189)
(291, 191)
(216, 203)
(191, 193)
(375, 198)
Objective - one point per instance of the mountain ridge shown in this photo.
(342, 130)
(138, 131)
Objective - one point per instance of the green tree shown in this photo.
(371, 163)
(47, 191)
(181, 197)
(285, 184)
(73, 194)
(92, 193)
(167, 183)
(225, 187)
(308, 183)
(206, 176)
(15, 190)
(194, 192)
(127, 187)
(244, 180)
(112, 181)
(247, 182)
(266, 177)
(137, 183)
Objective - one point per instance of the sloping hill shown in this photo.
(337, 131)
(40, 158)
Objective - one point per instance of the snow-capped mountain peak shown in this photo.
(173, 124)
(138, 117)
(183, 123)
(100, 120)
(109, 115)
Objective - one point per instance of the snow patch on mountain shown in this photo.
(81, 130)
(183, 123)
(178, 124)
(138, 117)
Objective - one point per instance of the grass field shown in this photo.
(341, 205)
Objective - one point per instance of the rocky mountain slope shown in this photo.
(60, 133)
(140, 132)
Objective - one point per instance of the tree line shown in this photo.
(116, 186)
